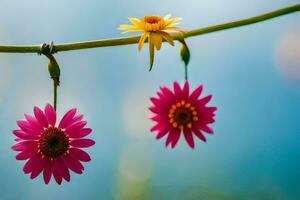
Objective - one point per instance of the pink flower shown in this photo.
(52, 149)
(181, 112)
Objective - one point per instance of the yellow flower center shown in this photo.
(182, 115)
(53, 143)
(153, 23)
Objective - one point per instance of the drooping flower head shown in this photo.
(154, 28)
(181, 112)
(50, 148)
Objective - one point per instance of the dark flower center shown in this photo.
(53, 142)
(182, 115)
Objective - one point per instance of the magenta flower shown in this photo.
(181, 112)
(51, 149)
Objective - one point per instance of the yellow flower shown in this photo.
(155, 29)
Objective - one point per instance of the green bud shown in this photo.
(54, 70)
(185, 53)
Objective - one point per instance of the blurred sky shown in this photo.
(253, 73)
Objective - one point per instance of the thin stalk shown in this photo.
(133, 40)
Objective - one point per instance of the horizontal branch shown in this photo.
(133, 40)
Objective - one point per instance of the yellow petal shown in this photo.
(174, 29)
(172, 21)
(167, 37)
(142, 40)
(167, 17)
(126, 26)
(134, 20)
(156, 40)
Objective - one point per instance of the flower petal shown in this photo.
(56, 175)
(196, 93)
(82, 143)
(26, 127)
(156, 40)
(24, 155)
(24, 136)
(189, 137)
(73, 164)
(185, 89)
(167, 37)
(31, 164)
(62, 169)
(33, 122)
(142, 40)
(79, 134)
(47, 171)
(38, 169)
(21, 146)
(40, 116)
(175, 138)
(67, 118)
(50, 114)
(79, 154)
(76, 126)
(199, 134)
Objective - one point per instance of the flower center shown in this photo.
(153, 23)
(53, 142)
(182, 115)
(152, 19)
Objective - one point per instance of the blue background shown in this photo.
(255, 152)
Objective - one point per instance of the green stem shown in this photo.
(55, 94)
(133, 40)
(185, 72)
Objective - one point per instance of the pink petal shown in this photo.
(40, 116)
(50, 114)
(24, 136)
(177, 90)
(25, 126)
(199, 134)
(76, 127)
(76, 119)
(38, 169)
(67, 118)
(33, 122)
(162, 133)
(158, 127)
(56, 175)
(196, 93)
(156, 110)
(62, 169)
(205, 100)
(185, 89)
(175, 138)
(73, 164)
(79, 154)
(205, 128)
(189, 137)
(168, 94)
(31, 164)
(82, 143)
(47, 171)
(24, 145)
(24, 155)
(81, 133)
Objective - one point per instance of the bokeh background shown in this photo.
(253, 73)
